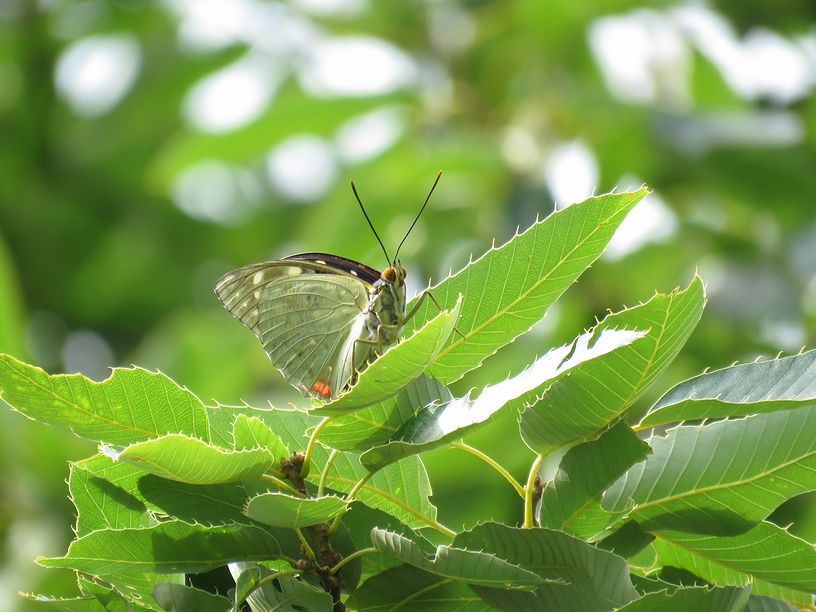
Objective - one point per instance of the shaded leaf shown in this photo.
(750, 388)
(398, 366)
(103, 492)
(627, 541)
(284, 510)
(531, 270)
(285, 594)
(699, 599)
(436, 425)
(590, 578)
(765, 554)
(407, 588)
(571, 501)
(720, 478)
(214, 504)
(596, 392)
(181, 598)
(456, 563)
(131, 405)
(761, 603)
(186, 459)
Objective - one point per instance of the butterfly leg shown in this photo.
(427, 294)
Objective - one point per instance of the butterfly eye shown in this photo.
(389, 274)
(403, 274)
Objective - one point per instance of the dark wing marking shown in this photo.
(335, 262)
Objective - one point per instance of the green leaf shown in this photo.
(212, 505)
(508, 290)
(584, 399)
(126, 590)
(628, 541)
(402, 489)
(248, 581)
(590, 578)
(181, 598)
(721, 478)
(287, 593)
(456, 563)
(750, 388)
(766, 555)
(179, 457)
(360, 520)
(251, 432)
(82, 603)
(408, 588)
(398, 366)
(699, 599)
(761, 603)
(375, 425)
(131, 405)
(435, 425)
(284, 510)
(104, 494)
(571, 501)
(172, 546)
(106, 596)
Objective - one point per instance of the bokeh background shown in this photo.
(146, 147)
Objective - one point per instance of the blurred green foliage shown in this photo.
(119, 207)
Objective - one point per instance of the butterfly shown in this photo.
(322, 318)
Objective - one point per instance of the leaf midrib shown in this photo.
(524, 295)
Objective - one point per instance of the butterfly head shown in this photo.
(395, 274)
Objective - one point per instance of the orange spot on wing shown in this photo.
(322, 388)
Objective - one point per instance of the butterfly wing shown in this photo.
(307, 316)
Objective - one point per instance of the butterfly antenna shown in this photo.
(370, 224)
(419, 214)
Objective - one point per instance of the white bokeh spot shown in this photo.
(94, 74)
(357, 66)
(571, 173)
(302, 168)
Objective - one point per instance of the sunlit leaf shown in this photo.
(103, 492)
(186, 459)
(168, 547)
(284, 510)
(402, 489)
(130, 406)
(509, 288)
(435, 425)
(400, 365)
(375, 425)
(251, 432)
(584, 399)
(80, 603)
